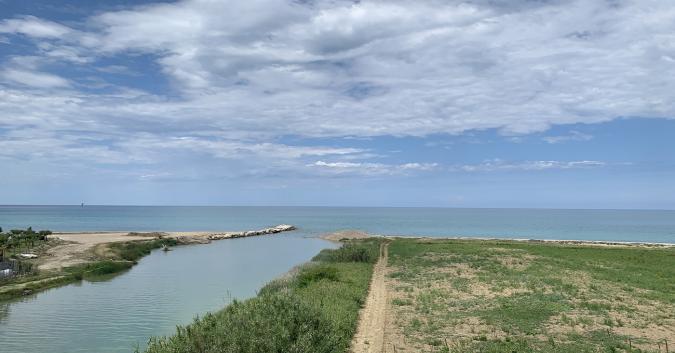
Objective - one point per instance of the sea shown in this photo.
(570, 224)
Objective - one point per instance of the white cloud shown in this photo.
(500, 165)
(334, 68)
(34, 78)
(394, 68)
(244, 74)
(363, 168)
(232, 149)
(34, 27)
(572, 136)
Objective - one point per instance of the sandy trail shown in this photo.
(369, 337)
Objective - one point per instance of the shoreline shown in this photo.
(358, 234)
(534, 240)
(73, 256)
(80, 245)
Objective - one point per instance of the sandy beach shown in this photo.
(359, 234)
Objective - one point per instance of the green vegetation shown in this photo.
(17, 240)
(314, 310)
(354, 251)
(134, 250)
(507, 296)
(122, 256)
(12, 244)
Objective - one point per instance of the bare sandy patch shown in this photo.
(345, 234)
(79, 248)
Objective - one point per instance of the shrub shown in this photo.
(269, 323)
(105, 268)
(317, 273)
(362, 252)
(132, 251)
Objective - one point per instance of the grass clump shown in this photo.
(313, 311)
(134, 250)
(97, 269)
(317, 273)
(525, 313)
(355, 251)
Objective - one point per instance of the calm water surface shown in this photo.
(163, 290)
(614, 225)
(166, 289)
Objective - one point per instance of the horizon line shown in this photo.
(341, 206)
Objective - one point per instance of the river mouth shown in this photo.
(168, 289)
(165, 289)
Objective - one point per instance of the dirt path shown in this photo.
(369, 337)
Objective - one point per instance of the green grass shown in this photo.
(313, 311)
(36, 284)
(525, 313)
(531, 297)
(94, 270)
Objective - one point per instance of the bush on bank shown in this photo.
(314, 311)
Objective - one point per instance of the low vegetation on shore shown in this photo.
(26, 278)
(507, 296)
(16, 250)
(312, 310)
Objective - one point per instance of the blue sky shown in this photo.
(558, 104)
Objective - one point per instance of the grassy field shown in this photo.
(313, 310)
(506, 296)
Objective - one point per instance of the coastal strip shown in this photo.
(83, 247)
(69, 257)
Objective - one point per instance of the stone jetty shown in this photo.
(273, 230)
(207, 237)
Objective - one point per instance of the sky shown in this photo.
(483, 103)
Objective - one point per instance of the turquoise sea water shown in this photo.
(166, 289)
(610, 225)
